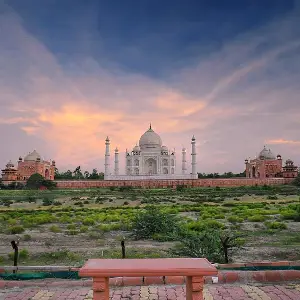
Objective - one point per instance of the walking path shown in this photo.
(169, 292)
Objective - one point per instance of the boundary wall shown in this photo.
(158, 183)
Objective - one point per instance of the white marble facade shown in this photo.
(149, 159)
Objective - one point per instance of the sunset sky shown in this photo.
(74, 71)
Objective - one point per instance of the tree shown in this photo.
(94, 174)
(77, 173)
(35, 181)
(297, 180)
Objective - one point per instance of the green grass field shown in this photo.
(69, 226)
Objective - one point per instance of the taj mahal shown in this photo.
(150, 159)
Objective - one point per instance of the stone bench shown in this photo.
(193, 268)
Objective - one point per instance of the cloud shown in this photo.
(232, 100)
(282, 141)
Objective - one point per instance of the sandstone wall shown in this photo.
(232, 182)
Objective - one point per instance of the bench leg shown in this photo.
(194, 288)
(101, 288)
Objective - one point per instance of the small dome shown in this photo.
(10, 165)
(150, 140)
(33, 156)
(136, 148)
(266, 154)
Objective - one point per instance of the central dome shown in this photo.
(33, 156)
(266, 154)
(150, 140)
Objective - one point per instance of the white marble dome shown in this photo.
(136, 148)
(266, 154)
(33, 156)
(150, 140)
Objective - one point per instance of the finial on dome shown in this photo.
(150, 126)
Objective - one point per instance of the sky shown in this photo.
(75, 71)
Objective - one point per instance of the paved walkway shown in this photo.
(211, 292)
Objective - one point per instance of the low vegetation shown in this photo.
(222, 224)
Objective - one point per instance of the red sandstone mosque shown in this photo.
(266, 165)
(32, 163)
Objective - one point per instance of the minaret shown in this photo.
(116, 161)
(106, 164)
(194, 162)
(183, 160)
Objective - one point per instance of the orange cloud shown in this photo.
(282, 141)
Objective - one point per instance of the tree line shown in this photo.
(224, 175)
(78, 174)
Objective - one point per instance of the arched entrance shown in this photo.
(47, 174)
(253, 171)
(150, 167)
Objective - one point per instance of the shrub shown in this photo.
(16, 229)
(235, 219)
(204, 225)
(48, 201)
(272, 197)
(88, 221)
(27, 237)
(257, 218)
(84, 228)
(23, 254)
(276, 225)
(152, 221)
(71, 227)
(55, 229)
(288, 214)
(200, 244)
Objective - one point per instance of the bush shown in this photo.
(27, 237)
(257, 218)
(23, 254)
(235, 219)
(88, 221)
(214, 244)
(272, 197)
(84, 228)
(16, 229)
(204, 225)
(48, 201)
(55, 229)
(71, 227)
(276, 225)
(152, 221)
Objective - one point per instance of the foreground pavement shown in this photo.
(169, 292)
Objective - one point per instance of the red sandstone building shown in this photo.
(32, 163)
(266, 165)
